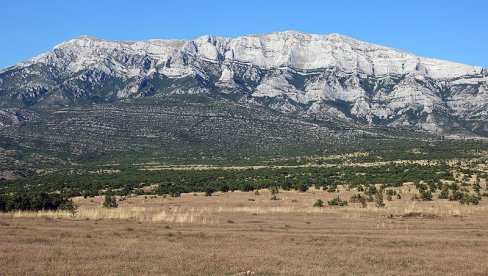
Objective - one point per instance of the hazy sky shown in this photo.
(452, 30)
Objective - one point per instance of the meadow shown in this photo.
(236, 233)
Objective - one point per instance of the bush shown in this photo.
(224, 188)
(425, 195)
(371, 190)
(319, 203)
(246, 187)
(274, 190)
(332, 189)
(209, 191)
(302, 187)
(359, 199)
(456, 196)
(378, 199)
(68, 206)
(469, 199)
(477, 187)
(337, 202)
(35, 201)
(110, 201)
(444, 193)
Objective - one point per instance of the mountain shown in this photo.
(329, 76)
(286, 91)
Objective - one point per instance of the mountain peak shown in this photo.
(303, 73)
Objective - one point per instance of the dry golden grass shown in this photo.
(235, 233)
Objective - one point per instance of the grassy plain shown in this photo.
(244, 233)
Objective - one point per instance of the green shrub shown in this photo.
(444, 193)
(378, 199)
(469, 199)
(319, 203)
(359, 199)
(302, 187)
(477, 187)
(274, 190)
(209, 191)
(426, 195)
(337, 202)
(110, 201)
(456, 196)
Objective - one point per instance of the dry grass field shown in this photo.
(244, 233)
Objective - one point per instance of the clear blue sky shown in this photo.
(452, 30)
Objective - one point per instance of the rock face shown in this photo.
(325, 76)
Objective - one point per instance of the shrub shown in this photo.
(302, 187)
(337, 202)
(34, 201)
(378, 199)
(444, 193)
(224, 188)
(246, 187)
(209, 191)
(110, 201)
(469, 199)
(456, 196)
(319, 203)
(256, 192)
(425, 195)
(359, 198)
(332, 189)
(274, 190)
(477, 187)
(371, 190)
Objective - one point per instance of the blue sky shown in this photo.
(452, 30)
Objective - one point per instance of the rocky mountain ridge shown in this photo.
(330, 77)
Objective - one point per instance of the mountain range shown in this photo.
(329, 82)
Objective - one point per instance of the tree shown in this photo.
(425, 195)
(444, 193)
(69, 206)
(477, 187)
(378, 199)
(319, 203)
(110, 201)
(209, 191)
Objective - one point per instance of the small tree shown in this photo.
(444, 193)
(209, 191)
(110, 201)
(274, 190)
(477, 187)
(69, 206)
(337, 202)
(425, 195)
(319, 203)
(378, 199)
